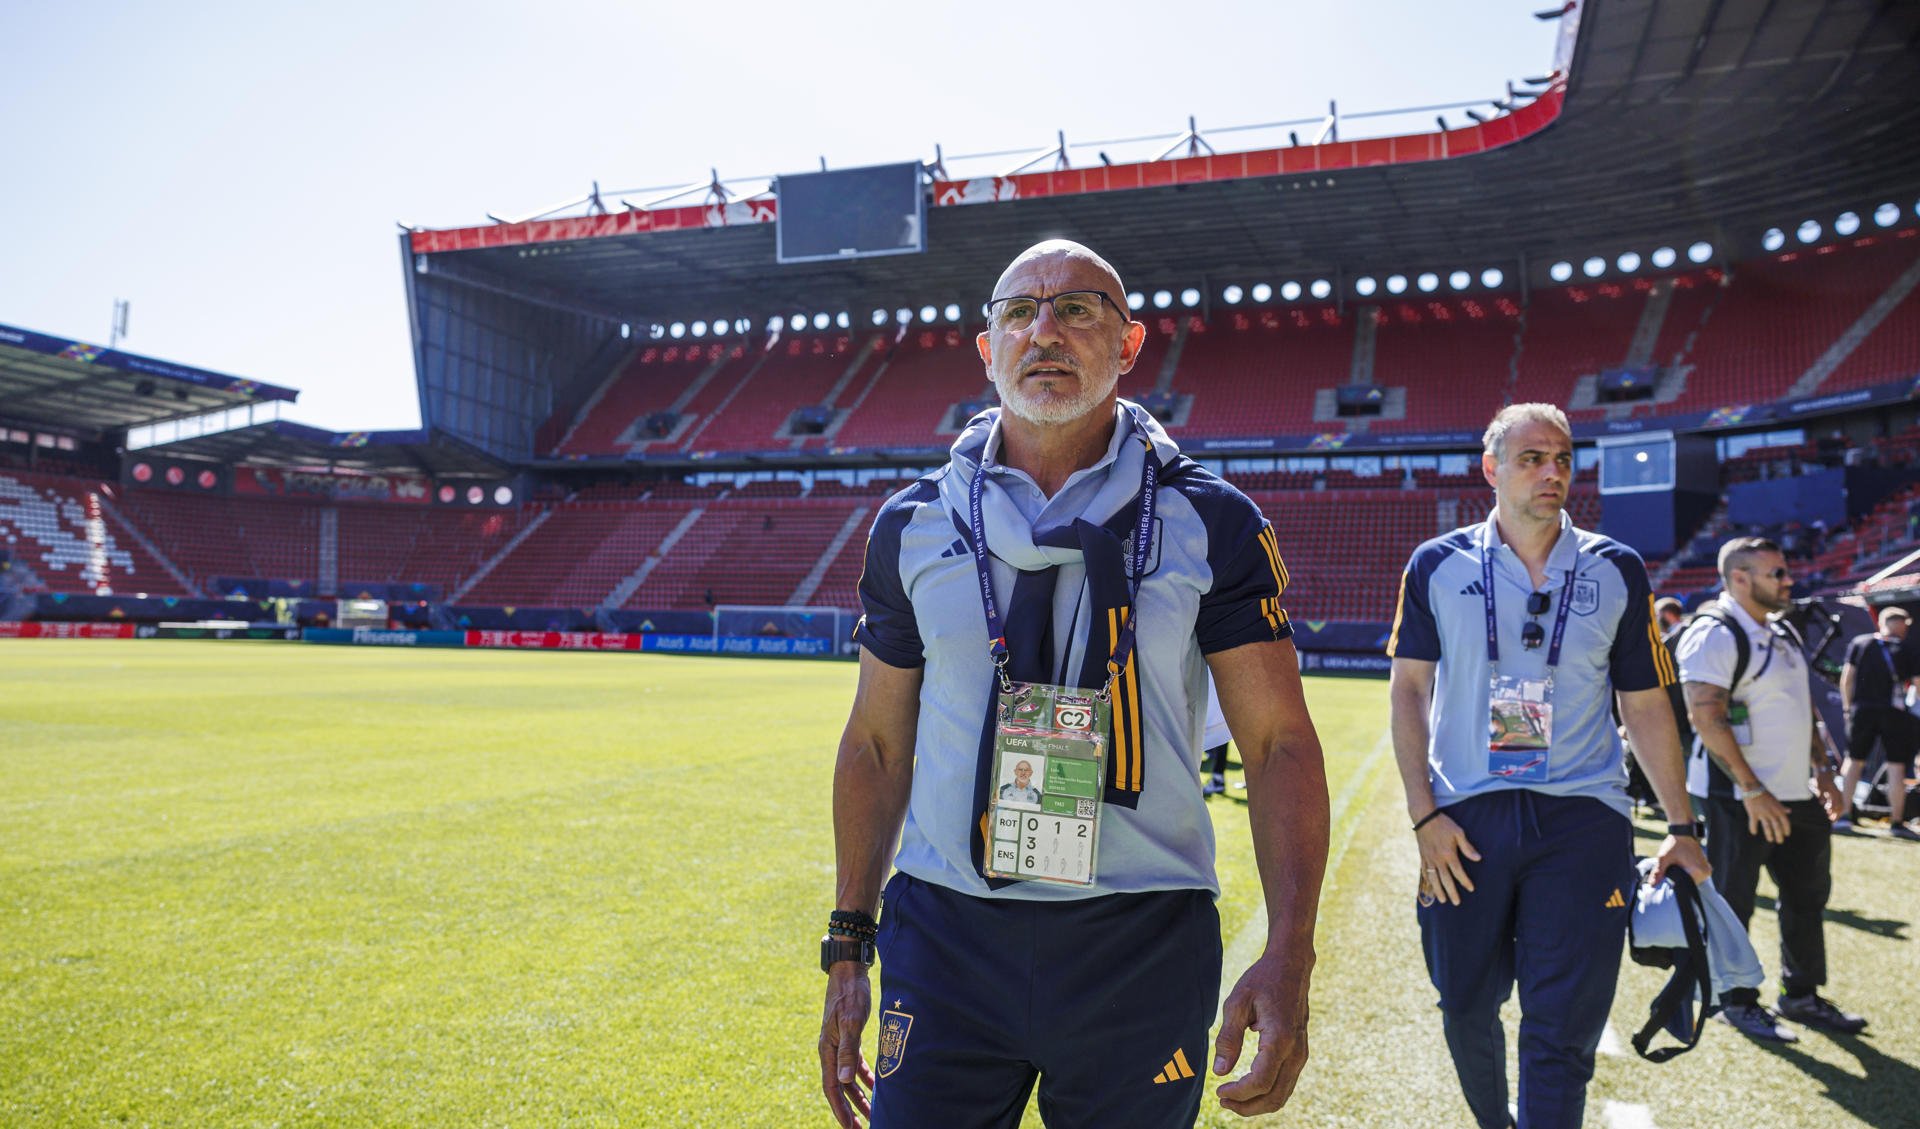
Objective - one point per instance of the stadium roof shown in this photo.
(295, 446)
(70, 384)
(1676, 122)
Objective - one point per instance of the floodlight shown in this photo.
(1594, 267)
(927, 314)
(1774, 239)
(1288, 290)
(879, 317)
(1321, 288)
(1492, 277)
(1162, 299)
(1845, 224)
(1262, 292)
(1428, 282)
(1189, 297)
(698, 329)
(1663, 257)
(798, 322)
(626, 330)
(952, 311)
(719, 327)
(1459, 280)
(1232, 295)
(1560, 271)
(1396, 284)
(1364, 286)
(1136, 300)
(822, 320)
(1886, 215)
(1808, 231)
(1628, 262)
(1700, 252)
(677, 330)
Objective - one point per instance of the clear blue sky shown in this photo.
(237, 170)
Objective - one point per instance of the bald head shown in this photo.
(1061, 249)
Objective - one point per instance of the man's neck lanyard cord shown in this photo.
(1493, 622)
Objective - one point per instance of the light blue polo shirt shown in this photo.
(1611, 644)
(1212, 582)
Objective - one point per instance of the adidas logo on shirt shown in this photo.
(1474, 588)
(957, 549)
(1176, 1069)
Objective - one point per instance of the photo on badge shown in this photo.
(1020, 778)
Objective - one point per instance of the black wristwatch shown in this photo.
(833, 950)
(1684, 830)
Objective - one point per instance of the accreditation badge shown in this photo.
(1741, 722)
(1519, 727)
(1049, 766)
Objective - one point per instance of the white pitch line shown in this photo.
(1251, 938)
(1624, 1115)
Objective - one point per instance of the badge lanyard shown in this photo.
(1142, 543)
(1493, 622)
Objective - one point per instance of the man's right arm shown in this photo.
(1442, 843)
(872, 779)
(1847, 675)
(1707, 707)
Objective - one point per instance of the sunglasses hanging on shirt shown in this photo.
(1532, 634)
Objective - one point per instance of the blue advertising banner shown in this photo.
(381, 637)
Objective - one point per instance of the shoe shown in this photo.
(1815, 1010)
(1844, 823)
(1902, 831)
(1756, 1022)
(1214, 787)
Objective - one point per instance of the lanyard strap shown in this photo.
(1142, 543)
(1493, 622)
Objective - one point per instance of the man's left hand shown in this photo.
(1830, 798)
(1684, 852)
(1271, 998)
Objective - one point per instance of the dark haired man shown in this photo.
(1757, 747)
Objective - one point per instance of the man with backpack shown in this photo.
(1757, 748)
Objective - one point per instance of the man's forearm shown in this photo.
(1648, 716)
(1287, 809)
(1410, 740)
(869, 802)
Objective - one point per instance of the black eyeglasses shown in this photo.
(1532, 634)
(1075, 309)
(1781, 573)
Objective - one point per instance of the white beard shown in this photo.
(1047, 407)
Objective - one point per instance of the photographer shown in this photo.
(1757, 745)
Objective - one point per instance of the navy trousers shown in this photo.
(1105, 1001)
(1548, 911)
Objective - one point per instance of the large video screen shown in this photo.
(850, 213)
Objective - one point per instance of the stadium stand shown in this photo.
(46, 521)
(207, 536)
(1257, 372)
(1454, 356)
(905, 401)
(748, 552)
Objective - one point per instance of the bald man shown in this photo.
(1066, 554)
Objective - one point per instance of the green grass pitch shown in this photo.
(252, 884)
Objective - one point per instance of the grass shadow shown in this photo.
(1891, 927)
(1882, 1094)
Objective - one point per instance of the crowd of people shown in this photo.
(1041, 615)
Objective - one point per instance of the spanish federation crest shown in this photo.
(895, 1026)
(1584, 597)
